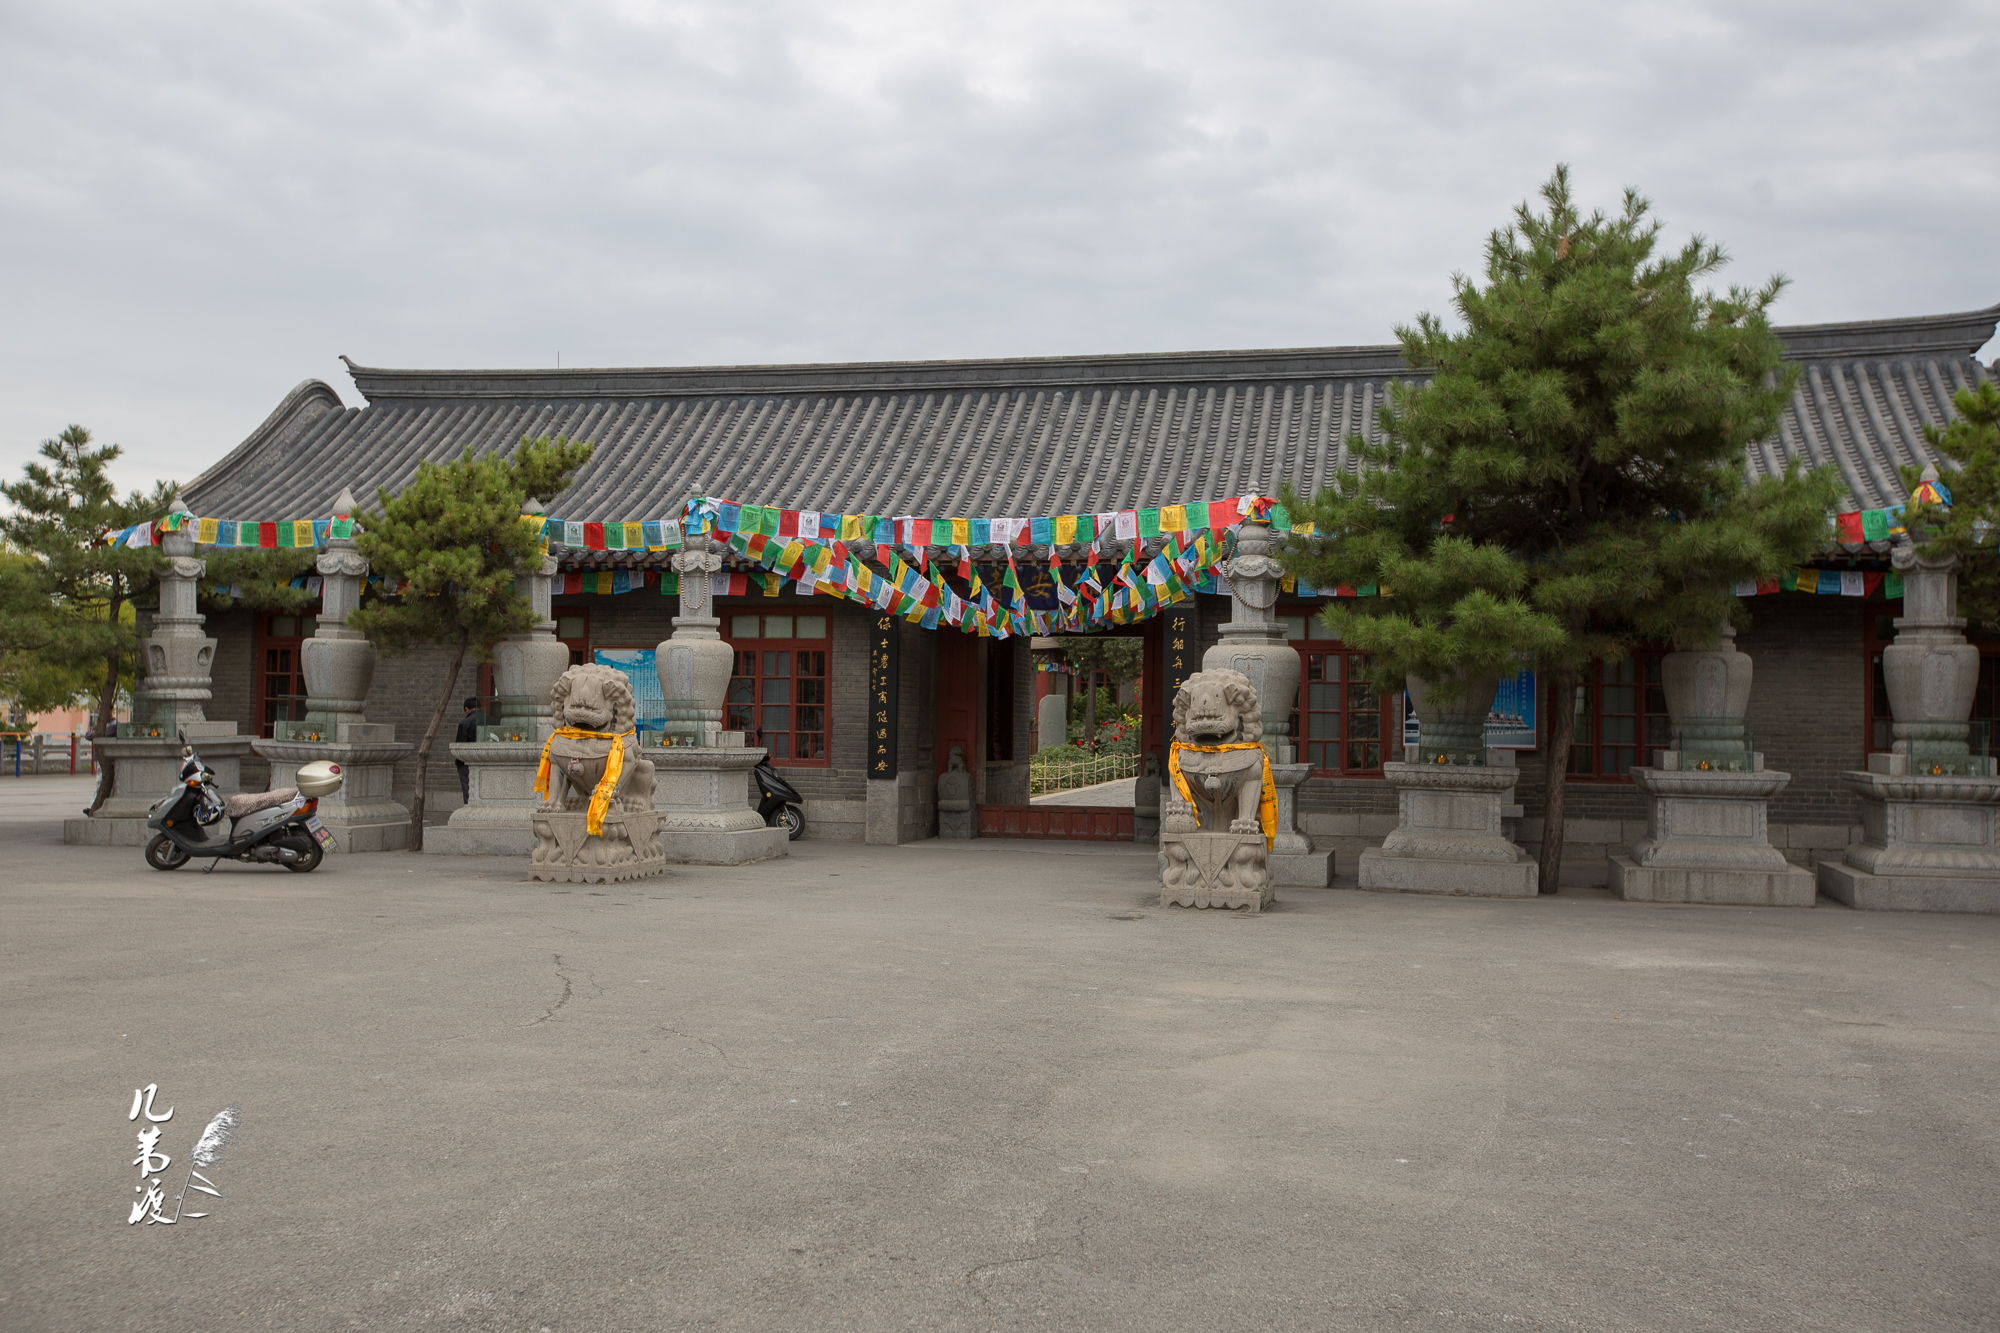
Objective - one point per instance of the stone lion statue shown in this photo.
(597, 699)
(1219, 707)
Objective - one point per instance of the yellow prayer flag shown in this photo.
(1065, 529)
(635, 536)
(790, 556)
(850, 527)
(302, 532)
(1808, 579)
(961, 532)
(1303, 529)
(205, 531)
(1173, 518)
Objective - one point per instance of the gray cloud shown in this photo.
(202, 204)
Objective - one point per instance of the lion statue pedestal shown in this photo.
(598, 824)
(1219, 811)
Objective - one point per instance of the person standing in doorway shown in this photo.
(468, 730)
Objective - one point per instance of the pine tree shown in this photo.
(66, 510)
(453, 543)
(1969, 527)
(1571, 480)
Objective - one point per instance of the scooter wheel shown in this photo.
(792, 820)
(314, 856)
(163, 853)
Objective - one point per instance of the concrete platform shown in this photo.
(1435, 874)
(1791, 887)
(1908, 893)
(1307, 870)
(101, 832)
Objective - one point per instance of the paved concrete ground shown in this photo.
(1119, 792)
(984, 1086)
(47, 797)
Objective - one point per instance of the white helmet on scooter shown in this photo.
(319, 778)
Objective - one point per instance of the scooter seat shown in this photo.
(249, 803)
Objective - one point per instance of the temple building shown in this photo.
(1064, 436)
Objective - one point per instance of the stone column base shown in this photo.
(1790, 887)
(499, 817)
(1302, 870)
(1908, 893)
(1230, 870)
(1437, 874)
(955, 823)
(147, 769)
(702, 795)
(566, 852)
(362, 816)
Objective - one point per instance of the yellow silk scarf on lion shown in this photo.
(614, 763)
(1267, 806)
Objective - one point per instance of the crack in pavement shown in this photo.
(568, 990)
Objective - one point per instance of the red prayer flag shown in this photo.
(267, 534)
(1847, 527)
(1344, 590)
(1223, 514)
(788, 522)
(593, 536)
(921, 528)
(1869, 583)
(1765, 587)
(884, 556)
(739, 585)
(572, 582)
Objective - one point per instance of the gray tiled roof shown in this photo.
(1045, 435)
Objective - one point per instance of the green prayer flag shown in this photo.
(1892, 585)
(1149, 524)
(1874, 525)
(1281, 519)
(1788, 580)
(670, 583)
(1086, 527)
(1197, 516)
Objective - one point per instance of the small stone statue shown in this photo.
(1215, 839)
(1146, 802)
(954, 798)
(599, 823)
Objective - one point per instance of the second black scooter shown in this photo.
(778, 802)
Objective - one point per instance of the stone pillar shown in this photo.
(1707, 829)
(1254, 643)
(166, 707)
(1929, 841)
(703, 794)
(956, 816)
(339, 666)
(498, 817)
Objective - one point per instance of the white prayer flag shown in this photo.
(718, 585)
(809, 524)
(572, 534)
(1852, 584)
(1747, 588)
(1128, 524)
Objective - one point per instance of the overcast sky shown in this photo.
(203, 204)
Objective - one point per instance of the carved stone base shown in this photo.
(147, 769)
(363, 816)
(957, 823)
(498, 818)
(1215, 870)
(703, 797)
(1790, 887)
(566, 852)
(1449, 835)
(1908, 893)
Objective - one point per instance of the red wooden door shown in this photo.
(957, 698)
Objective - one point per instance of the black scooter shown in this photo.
(778, 803)
(278, 827)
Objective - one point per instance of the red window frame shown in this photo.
(1340, 702)
(281, 662)
(577, 643)
(1621, 715)
(785, 680)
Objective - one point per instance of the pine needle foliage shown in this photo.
(1970, 526)
(453, 544)
(1571, 480)
(66, 623)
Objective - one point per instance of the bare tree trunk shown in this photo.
(107, 706)
(424, 747)
(1562, 730)
(1090, 710)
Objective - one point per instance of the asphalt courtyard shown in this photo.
(980, 1086)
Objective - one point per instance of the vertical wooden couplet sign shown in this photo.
(882, 700)
(1179, 657)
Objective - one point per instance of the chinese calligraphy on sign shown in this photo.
(1177, 636)
(882, 686)
(153, 1164)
